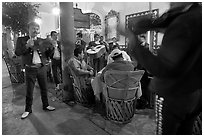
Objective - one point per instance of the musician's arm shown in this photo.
(76, 67)
(85, 48)
(89, 67)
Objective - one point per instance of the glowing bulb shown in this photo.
(38, 21)
(56, 11)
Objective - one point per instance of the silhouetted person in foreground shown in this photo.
(177, 68)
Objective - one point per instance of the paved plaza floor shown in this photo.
(66, 119)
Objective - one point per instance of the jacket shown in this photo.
(44, 49)
(177, 69)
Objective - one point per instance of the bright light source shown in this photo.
(56, 11)
(38, 21)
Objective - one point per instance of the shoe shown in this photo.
(49, 108)
(25, 115)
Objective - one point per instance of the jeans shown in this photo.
(31, 74)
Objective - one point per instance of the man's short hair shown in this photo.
(32, 23)
(79, 34)
(114, 38)
(143, 36)
(53, 32)
(77, 51)
(96, 35)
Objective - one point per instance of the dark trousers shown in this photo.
(177, 114)
(56, 65)
(98, 63)
(31, 75)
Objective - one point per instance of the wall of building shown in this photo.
(101, 9)
(124, 8)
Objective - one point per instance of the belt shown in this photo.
(34, 66)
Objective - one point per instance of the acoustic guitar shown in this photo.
(97, 51)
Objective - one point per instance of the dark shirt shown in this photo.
(92, 44)
(112, 46)
(105, 44)
(177, 69)
(81, 44)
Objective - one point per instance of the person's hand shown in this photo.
(129, 34)
(54, 43)
(30, 43)
(91, 72)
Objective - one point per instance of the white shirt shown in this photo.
(56, 51)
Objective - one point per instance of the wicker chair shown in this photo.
(197, 127)
(121, 88)
(82, 92)
(15, 71)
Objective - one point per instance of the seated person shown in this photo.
(98, 83)
(83, 71)
(78, 64)
(117, 64)
(126, 57)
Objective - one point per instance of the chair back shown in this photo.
(81, 90)
(15, 70)
(122, 84)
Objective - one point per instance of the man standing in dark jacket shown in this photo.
(56, 59)
(177, 69)
(34, 52)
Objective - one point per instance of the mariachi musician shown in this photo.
(96, 63)
(35, 52)
(177, 68)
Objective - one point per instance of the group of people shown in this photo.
(176, 69)
(37, 52)
(87, 66)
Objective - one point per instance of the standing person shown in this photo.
(177, 69)
(56, 59)
(143, 42)
(102, 42)
(34, 52)
(113, 44)
(80, 43)
(144, 101)
(95, 62)
(105, 56)
(94, 43)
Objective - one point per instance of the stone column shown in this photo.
(67, 39)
